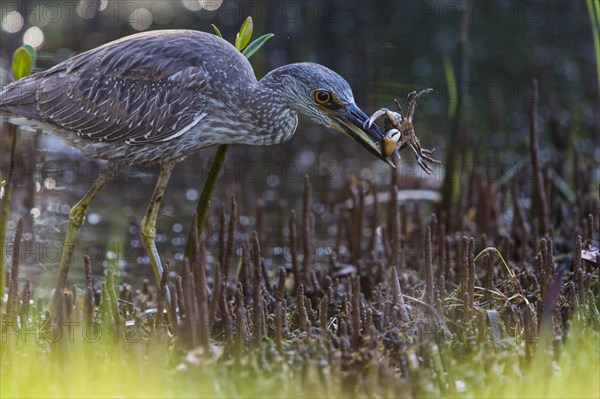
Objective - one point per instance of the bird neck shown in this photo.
(277, 85)
(271, 113)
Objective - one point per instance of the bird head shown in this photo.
(326, 98)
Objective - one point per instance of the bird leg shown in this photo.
(148, 227)
(76, 218)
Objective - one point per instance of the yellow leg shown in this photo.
(76, 218)
(148, 227)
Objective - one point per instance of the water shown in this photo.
(383, 48)
(62, 176)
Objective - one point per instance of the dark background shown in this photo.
(385, 49)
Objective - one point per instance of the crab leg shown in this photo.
(424, 166)
(426, 154)
(399, 106)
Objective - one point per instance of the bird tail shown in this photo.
(19, 98)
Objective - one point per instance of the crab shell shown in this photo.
(389, 142)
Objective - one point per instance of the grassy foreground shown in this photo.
(144, 370)
(154, 368)
(332, 331)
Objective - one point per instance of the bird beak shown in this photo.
(350, 120)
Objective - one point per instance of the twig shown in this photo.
(294, 251)
(230, 239)
(307, 245)
(162, 295)
(539, 193)
(13, 286)
(428, 267)
(6, 208)
(207, 192)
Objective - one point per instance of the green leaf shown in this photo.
(22, 63)
(594, 12)
(243, 36)
(562, 186)
(32, 53)
(217, 31)
(451, 83)
(256, 45)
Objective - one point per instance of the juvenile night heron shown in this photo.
(156, 97)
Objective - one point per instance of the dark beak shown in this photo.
(350, 120)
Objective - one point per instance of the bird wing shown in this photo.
(103, 107)
(146, 88)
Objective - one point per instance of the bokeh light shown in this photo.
(50, 183)
(34, 37)
(12, 22)
(197, 5)
(87, 9)
(192, 5)
(140, 19)
(210, 5)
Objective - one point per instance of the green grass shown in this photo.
(73, 366)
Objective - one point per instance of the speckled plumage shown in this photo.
(153, 96)
(159, 96)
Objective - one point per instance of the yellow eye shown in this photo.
(322, 97)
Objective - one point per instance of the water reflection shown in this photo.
(112, 225)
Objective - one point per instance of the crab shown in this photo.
(400, 131)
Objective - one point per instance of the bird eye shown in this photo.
(322, 97)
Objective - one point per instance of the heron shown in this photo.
(154, 98)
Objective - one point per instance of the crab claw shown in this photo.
(388, 146)
(369, 122)
(393, 134)
(390, 141)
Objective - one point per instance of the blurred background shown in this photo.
(384, 49)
